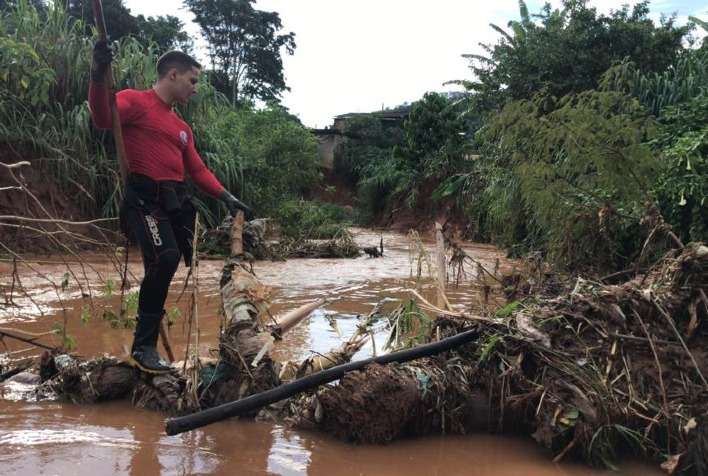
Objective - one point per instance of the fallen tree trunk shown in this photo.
(228, 410)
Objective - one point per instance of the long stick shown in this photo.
(118, 134)
(259, 400)
(440, 266)
(111, 84)
(236, 233)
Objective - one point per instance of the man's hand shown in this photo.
(234, 204)
(102, 58)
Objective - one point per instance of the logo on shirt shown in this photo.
(184, 137)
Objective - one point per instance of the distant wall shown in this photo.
(331, 137)
(328, 144)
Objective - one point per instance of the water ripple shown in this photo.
(53, 437)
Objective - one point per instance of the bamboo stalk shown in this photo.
(291, 319)
(111, 84)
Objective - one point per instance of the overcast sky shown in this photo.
(365, 55)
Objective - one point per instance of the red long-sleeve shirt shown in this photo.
(157, 142)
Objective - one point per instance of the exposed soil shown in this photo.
(32, 192)
(333, 188)
(336, 188)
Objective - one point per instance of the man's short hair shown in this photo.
(175, 59)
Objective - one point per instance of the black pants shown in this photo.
(159, 215)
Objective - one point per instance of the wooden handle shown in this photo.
(110, 82)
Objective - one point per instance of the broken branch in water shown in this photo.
(11, 334)
(20, 368)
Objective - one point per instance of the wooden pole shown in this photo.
(236, 233)
(118, 137)
(110, 83)
(228, 410)
(440, 265)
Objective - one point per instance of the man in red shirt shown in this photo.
(159, 151)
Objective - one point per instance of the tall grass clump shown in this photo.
(264, 156)
(45, 62)
(311, 219)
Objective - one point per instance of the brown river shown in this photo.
(62, 438)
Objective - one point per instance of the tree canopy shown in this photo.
(166, 31)
(567, 50)
(244, 48)
(119, 21)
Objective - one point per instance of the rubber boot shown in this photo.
(144, 353)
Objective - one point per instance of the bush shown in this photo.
(301, 219)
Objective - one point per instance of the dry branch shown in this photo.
(11, 333)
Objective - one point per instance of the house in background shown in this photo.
(332, 137)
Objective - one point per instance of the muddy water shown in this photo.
(51, 437)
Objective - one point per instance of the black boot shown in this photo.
(144, 353)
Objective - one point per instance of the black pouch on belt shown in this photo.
(172, 202)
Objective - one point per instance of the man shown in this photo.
(159, 151)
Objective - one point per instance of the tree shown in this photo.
(569, 178)
(434, 137)
(569, 49)
(39, 5)
(682, 188)
(166, 31)
(119, 22)
(244, 48)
